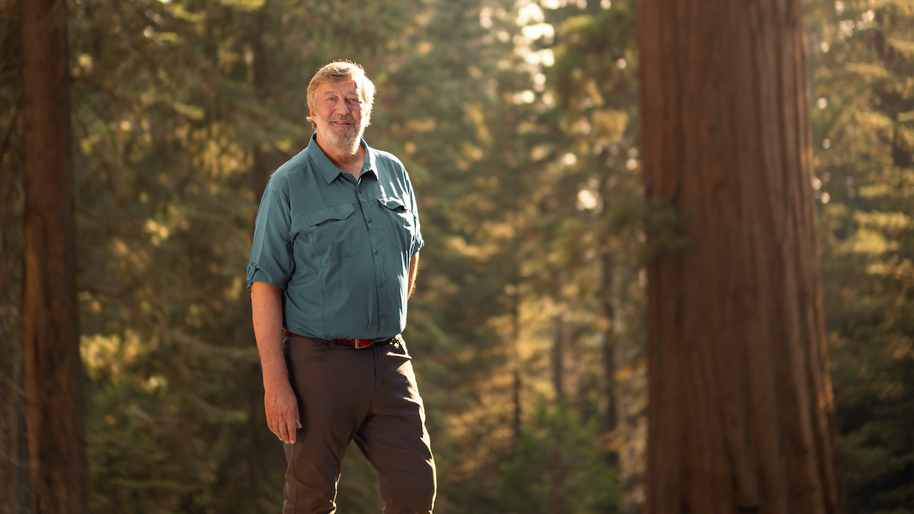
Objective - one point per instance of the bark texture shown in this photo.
(52, 367)
(741, 407)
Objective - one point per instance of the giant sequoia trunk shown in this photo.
(52, 368)
(741, 409)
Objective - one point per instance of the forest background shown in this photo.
(518, 121)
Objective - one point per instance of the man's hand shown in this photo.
(281, 407)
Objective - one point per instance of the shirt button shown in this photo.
(369, 220)
(381, 284)
(383, 315)
(376, 252)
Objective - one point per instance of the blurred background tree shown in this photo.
(519, 124)
(52, 369)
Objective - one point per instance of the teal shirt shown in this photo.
(338, 247)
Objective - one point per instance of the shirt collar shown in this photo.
(328, 170)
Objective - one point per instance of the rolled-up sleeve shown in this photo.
(271, 252)
(418, 242)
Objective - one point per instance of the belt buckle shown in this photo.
(362, 343)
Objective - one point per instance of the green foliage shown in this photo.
(863, 92)
(558, 467)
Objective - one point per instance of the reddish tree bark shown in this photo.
(52, 367)
(741, 409)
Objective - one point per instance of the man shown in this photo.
(334, 259)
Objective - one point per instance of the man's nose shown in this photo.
(341, 107)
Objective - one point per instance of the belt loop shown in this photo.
(331, 343)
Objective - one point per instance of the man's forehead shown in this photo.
(338, 87)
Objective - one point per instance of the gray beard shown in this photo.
(348, 142)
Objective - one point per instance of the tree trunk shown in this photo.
(253, 483)
(517, 381)
(556, 466)
(558, 358)
(52, 367)
(741, 408)
(260, 172)
(610, 419)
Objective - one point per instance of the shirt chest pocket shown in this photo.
(401, 221)
(336, 232)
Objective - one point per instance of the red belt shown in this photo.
(358, 344)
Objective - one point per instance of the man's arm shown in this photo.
(413, 271)
(279, 400)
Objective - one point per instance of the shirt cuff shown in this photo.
(257, 273)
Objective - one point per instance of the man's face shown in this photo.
(337, 114)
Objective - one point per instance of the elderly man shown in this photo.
(334, 259)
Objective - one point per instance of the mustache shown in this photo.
(345, 117)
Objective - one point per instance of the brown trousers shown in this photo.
(368, 395)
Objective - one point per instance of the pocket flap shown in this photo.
(394, 204)
(336, 212)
